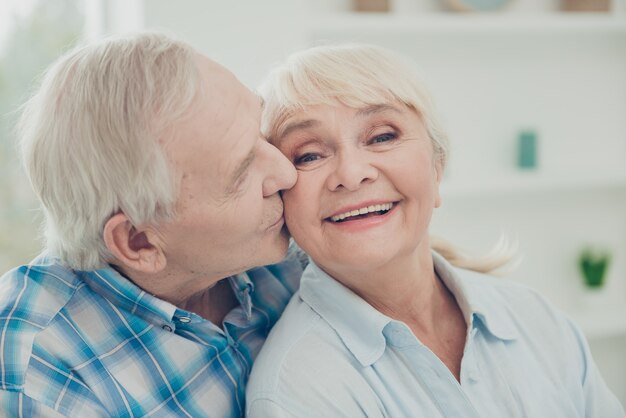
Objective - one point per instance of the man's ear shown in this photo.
(137, 249)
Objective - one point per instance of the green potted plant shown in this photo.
(593, 264)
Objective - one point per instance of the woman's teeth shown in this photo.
(383, 208)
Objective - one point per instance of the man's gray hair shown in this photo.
(90, 139)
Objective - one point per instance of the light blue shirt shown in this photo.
(333, 355)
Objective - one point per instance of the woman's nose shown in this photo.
(351, 169)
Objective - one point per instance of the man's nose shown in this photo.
(351, 169)
(281, 172)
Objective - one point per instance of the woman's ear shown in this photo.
(438, 167)
(134, 248)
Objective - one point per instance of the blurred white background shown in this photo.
(529, 66)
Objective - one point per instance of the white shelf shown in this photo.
(601, 323)
(488, 23)
(531, 182)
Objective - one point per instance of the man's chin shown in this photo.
(279, 247)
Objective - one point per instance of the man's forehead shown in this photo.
(207, 64)
(223, 89)
(214, 76)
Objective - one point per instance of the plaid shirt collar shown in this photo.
(123, 293)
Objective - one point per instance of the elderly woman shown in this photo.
(383, 326)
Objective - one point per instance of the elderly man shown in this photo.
(158, 191)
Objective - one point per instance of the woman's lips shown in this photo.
(361, 211)
(362, 223)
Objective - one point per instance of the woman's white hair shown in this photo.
(359, 76)
(90, 139)
(354, 75)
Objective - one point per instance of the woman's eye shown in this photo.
(306, 158)
(386, 137)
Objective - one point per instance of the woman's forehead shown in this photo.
(314, 116)
(361, 109)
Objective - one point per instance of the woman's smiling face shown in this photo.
(367, 184)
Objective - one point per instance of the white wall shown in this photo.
(245, 36)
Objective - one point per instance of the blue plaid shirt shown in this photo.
(92, 344)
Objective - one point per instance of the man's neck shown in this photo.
(213, 303)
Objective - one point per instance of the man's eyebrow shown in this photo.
(241, 169)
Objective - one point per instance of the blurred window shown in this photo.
(32, 34)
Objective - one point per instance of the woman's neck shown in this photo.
(409, 290)
(402, 288)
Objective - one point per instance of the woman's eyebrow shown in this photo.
(312, 123)
(378, 108)
(294, 126)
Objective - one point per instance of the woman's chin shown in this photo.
(356, 259)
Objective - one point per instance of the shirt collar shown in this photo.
(360, 326)
(243, 287)
(123, 293)
(357, 323)
(478, 297)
